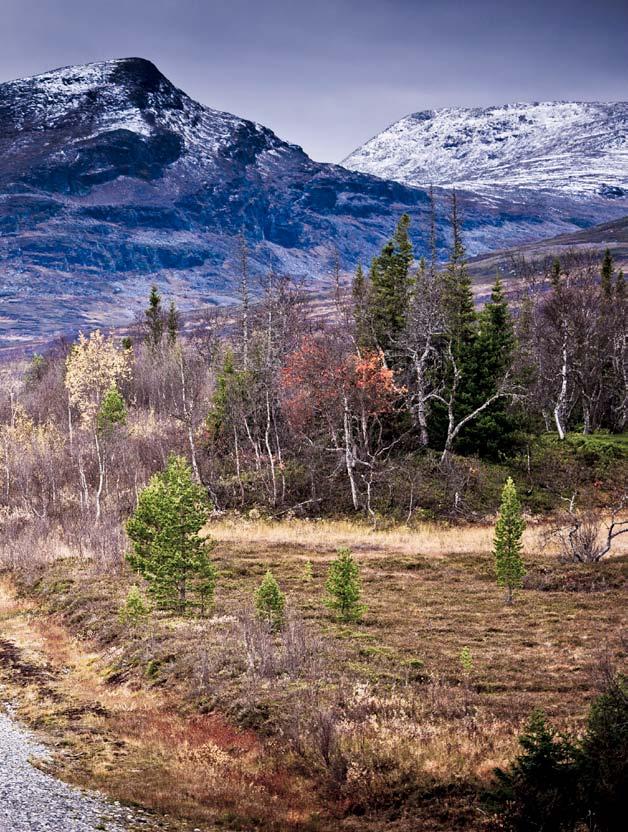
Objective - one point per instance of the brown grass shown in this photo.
(433, 539)
(374, 718)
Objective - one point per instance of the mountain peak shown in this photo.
(133, 67)
(571, 147)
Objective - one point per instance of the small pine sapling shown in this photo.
(270, 601)
(466, 661)
(343, 587)
(507, 541)
(135, 609)
(168, 549)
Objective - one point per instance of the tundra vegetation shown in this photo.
(275, 533)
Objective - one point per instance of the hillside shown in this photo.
(534, 257)
(112, 178)
(577, 149)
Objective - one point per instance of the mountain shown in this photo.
(535, 258)
(112, 178)
(570, 148)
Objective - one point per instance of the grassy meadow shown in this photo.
(213, 723)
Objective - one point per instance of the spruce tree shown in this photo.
(461, 330)
(457, 293)
(620, 285)
(270, 601)
(154, 318)
(343, 587)
(359, 294)
(507, 544)
(172, 323)
(390, 285)
(607, 274)
(112, 411)
(492, 433)
(555, 274)
(167, 549)
(134, 610)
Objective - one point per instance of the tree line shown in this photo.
(284, 408)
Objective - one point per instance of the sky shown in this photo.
(329, 74)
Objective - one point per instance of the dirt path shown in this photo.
(31, 798)
(33, 801)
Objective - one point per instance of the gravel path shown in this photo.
(32, 801)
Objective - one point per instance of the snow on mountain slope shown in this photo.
(111, 178)
(572, 148)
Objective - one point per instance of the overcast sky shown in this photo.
(329, 74)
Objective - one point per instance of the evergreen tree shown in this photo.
(172, 323)
(507, 541)
(620, 285)
(604, 758)
(154, 318)
(461, 330)
(493, 432)
(539, 790)
(134, 609)
(343, 587)
(168, 550)
(390, 285)
(359, 293)
(270, 601)
(112, 410)
(607, 274)
(458, 295)
(555, 274)
(231, 387)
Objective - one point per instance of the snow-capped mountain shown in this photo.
(112, 178)
(571, 148)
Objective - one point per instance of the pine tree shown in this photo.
(507, 541)
(270, 601)
(607, 274)
(343, 587)
(168, 550)
(172, 323)
(134, 608)
(359, 293)
(620, 285)
(457, 293)
(154, 318)
(539, 791)
(390, 285)
(493, 432)
(555, 274)
(112, 410)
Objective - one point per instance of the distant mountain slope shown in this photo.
(111, 177)
(508, 262)
(572, 148)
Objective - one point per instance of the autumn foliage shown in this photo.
(320, 382)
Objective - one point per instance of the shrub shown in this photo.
(604, 758)
(466, 661)
(557, 783)
(343, 587)
(270, 601)
(134, 609)
(537, 791)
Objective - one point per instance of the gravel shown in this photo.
(33, 801)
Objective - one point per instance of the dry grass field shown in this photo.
(215, 724)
